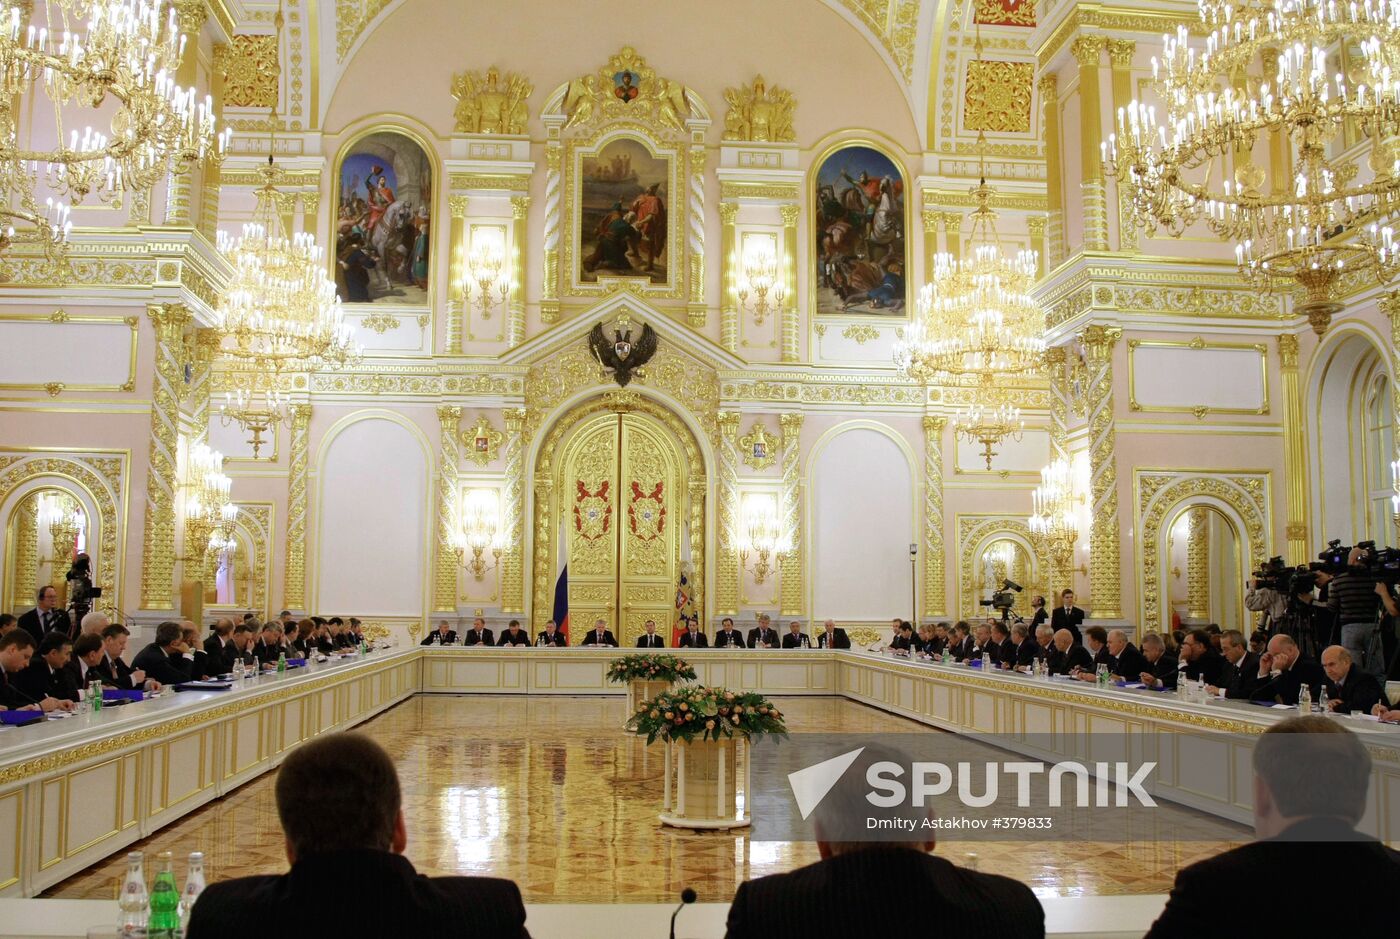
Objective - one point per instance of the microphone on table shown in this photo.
(687, 897)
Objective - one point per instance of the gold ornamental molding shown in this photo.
(248, 64)
(895, 23)
(1112, 18)
(758, 448)
(61, 317)
(488, 182)
(977, 531)
(1014, 202)
(759, 114)
(490, 103)
(1197, 343)
(997, 96)
(483, 442)
(731, 190)
(1163, 493)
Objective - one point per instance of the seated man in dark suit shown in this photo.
(1162, 666)
(844, 894)
(833, 636)
(1241, 670)
(1025, 650)
(87, 655)
(1096, 644)
(693, 638)
(269, 644)
(112, 668)
(727, 637)
(444, 635)
(1068, 655)
(220, 648)
(551, 635)
(903, 640)
(513, 635)
(16, 651)
(650, 639)
(164, 659)
(763, 636)
(47, 675)
(46, 616)
(200, 667)
(1199, 660)
(1348, 689)
(479, 635)
(341, 808)
(1297, 814)
(796, 638)
(599, 635)
(1127, 663)
(1001, 643)
(1283, 672)
(960, 641)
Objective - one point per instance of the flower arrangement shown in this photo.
(699, 713)
(655, 667)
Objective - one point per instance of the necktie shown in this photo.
(48, 620)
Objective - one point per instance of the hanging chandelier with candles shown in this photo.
(1286, 73)
(115, 59)
(1052, 523)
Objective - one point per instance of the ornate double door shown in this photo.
(621, 500)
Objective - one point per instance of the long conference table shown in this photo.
(76, 790)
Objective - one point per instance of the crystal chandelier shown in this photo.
(762, 535)
(988, 422)
(1053, 525)
(485, 276)
(115, 59)
(209, 514)
(761, 280)
(480, 532)
(1294, 72)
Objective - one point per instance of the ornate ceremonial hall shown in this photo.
(823, 313)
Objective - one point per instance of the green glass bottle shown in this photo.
(164, 919)
(282, 663)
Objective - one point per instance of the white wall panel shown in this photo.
(78, 354)
(1181, 378)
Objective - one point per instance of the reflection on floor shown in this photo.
(550, 793)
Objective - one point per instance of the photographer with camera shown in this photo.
(1307, 621)
(1266, 594)
(1355, 597)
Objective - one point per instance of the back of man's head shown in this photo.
(1313, 767)
(338, 793)
(166, 633)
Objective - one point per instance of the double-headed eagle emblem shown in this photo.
(620, 355)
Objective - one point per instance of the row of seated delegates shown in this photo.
(339, 802)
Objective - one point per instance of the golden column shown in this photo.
(790, 564)
(1055, 360)
(1390, 306)
(695, 238)
(294, 574)
(727, 574)
(1280, 152)
(445, 556)
(1120, 57)
(26, 551)
(728, 298)
(209, 201)
(456, 245)
(952, 234)
(931, 220)
(1105, 587)
(158, 554)
(189, 17)
(1295, 454)
(1049, 88)
(1088, 51)
(310, 202)
(697, 548)
(205, 345)
(935, 584)
(544, 573)
(513, 558)
(515, 324)
(790, 351)
(553, 188)
(1197, 566)
(1035, 227)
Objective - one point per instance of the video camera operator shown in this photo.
(1355, 597)
(1265, 594)
(1306, 620)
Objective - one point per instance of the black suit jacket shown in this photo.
(1063, 663)
(200, 668)
(1359, 692)
(30, 622)
(651, 642)
(1025, 653)
(1239, 680)
(694, 640)
(1166, 670)
(590, 638)
(1206, 890)
(163, 668)
(1130, 663)
(221, 654)
(521, 638)
(837, 641)
(1071, 621)
(487, 638)
(1006, 654)
(800, 641)
(11, 695)
(1210, 667)
(731, 639)
(437, 638)
(1284, 687)
(543, 639)
(115, 674)
(845, 895)
(264, 653)
(401, 902)
(38, 681)
(769, 635)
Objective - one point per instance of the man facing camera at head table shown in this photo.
(444, 635)
(1311, 777)
(16, 650)
(513, 635)
(846, 892)
(479, 634)
(649, 639)
(599, 635)
(551, 635)
(341, 809)
(833, 636)
(796, 638)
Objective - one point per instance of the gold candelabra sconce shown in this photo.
(760, 286)
(209, 514)
(64, 517)
(1054, 521)
(257, 406)
(763, 539)
(486, 270)
(480, 532)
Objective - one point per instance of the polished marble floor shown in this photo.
(550, 793)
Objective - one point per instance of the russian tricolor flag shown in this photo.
(561, 588)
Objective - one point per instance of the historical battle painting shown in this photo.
(623, 205)
(384, 221)
(861, 253)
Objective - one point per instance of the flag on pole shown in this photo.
(685, 594)
(561, 588)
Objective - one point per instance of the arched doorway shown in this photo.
(45, 531)
(1206, 570)
(621, 483)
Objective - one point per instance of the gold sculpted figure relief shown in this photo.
(487, 103)
(759, 114)
(627, 88)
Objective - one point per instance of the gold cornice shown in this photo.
(288, 180)
(941, 198)
(1108, 18)
(503, 182)
(729, 189)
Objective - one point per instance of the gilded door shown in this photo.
(621, 486)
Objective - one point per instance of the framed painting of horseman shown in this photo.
(383, 228)
(858, 202)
